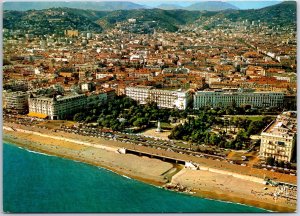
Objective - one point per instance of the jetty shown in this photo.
(150, 155)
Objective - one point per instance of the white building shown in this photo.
(220, 98)
(183, 100)
(88, 35)
(132, 20)
(139, 93)
(87, 86)
(103, 75)
(58, 107)
(164, 98)
(278, 139)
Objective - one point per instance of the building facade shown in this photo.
(220, 98)
(58, 107)
(164, 98)
(278, 139)
(15, 101)
(96, 99)
(138, 93)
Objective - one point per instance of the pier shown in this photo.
(160, 157)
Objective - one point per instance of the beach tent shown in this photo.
(37, 115)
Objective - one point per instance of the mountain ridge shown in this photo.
(114, 5)
(43, 21)
(211, 6)
(85, 5)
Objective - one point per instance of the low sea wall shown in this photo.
(236, 175)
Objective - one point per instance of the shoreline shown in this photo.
(9, 136)
(156, 184)
(114, 170)
(199, 194)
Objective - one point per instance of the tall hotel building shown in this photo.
(221, 98)
(278, 139)
(56, 107)
(139, 93)
(15, 101)
(164, 98)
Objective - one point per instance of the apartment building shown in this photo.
(164, 98)
(223, 98)
(15, 101)
(278, 139)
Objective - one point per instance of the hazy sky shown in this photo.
(242, 4)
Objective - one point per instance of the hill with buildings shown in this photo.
(52, 21)
(169, 20)
(276, 15)
(280, 14)
(56, 20)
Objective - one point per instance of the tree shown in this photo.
(233, 104)
(238, 145)
(88, 119)
(229, 111)
(206, 137)
(230, 145)
(140, 122)
(79, 117)
(270, 161)
(281, 163)
(214, 139)
(288, 165)
(255, 127)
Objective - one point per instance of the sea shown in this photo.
(38, 183)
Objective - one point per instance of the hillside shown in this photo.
(56, 20)
(50, 21)
(166, 19)
(281, 14)
(113, 5)
(85, 5)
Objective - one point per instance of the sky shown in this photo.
(242, 4)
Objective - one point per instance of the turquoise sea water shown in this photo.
(35, 182)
